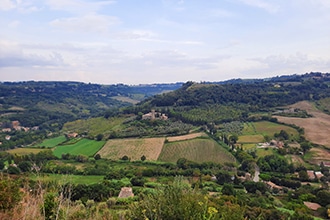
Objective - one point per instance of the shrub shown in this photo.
(177, 201)
(9, 193)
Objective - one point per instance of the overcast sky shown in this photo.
(155, 41)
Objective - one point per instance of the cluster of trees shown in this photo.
(20, 138)
(141, 128)
(275, 163)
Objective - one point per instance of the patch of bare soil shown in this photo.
(317, 128)
(186, 137)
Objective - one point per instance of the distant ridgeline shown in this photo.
(50, 104)
(237, 99)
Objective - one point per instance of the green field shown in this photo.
(82, 147)
(198, 150)
(257, 138)
(262, 152)
(51, 142)
(267, 128)
(25, 151)
(74, 179)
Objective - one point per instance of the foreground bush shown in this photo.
(177, 201)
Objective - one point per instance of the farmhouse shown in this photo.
(154, 115)
(72, 135)
(6, 130)
(318, 174)
(310, 174)
(272, 185)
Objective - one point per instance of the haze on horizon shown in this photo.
(158, 41)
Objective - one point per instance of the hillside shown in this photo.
(201, 103)
(50, 104)
(242, 149)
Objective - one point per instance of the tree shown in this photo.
(25, 166)
(97, 157)
(233, 139)
(2, 164)
(323, 197)
(9, 192)
(182, 163)
(303, 175)
(137, 181)
(228, 190)
(305, 146)
(143, 158)
(99, 137)
(223, 177)
(13, 170)
(125, 157)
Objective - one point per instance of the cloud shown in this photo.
(7, 5)
(294, 63)
(12, 55)
(262, 4)
(87, 23)
(77, 6)
(14, 24)
(26, 6)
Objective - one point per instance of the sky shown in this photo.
(161, 41)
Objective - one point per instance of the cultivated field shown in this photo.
(198, 150)
(186, 137)
(267, 128)
(25, 151)
(94, 126)
(257, 138)
(317, 128)
(318, 155)
(134, 148)
(254, 132)
(82, 147)
(51, 142)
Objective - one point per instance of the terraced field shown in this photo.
(198, 150)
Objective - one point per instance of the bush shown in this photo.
(10, 194)
(177, 201)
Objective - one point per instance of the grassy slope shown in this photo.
(94, 126)
(83, 147)
(75, 179)
(267, 128)
(25, 151)
(198, 150)
(51, 142)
